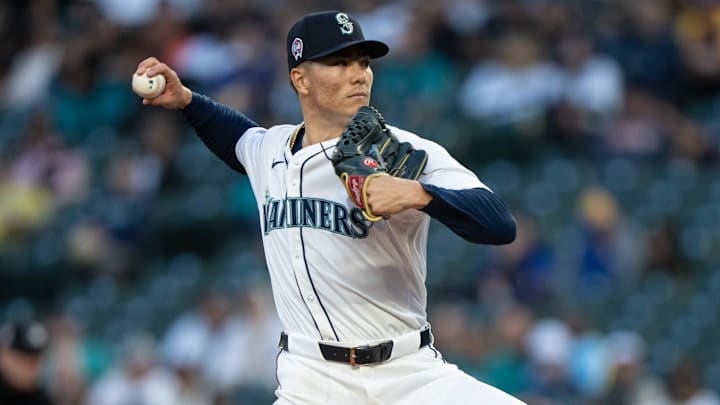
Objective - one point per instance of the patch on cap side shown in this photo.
(297, 48)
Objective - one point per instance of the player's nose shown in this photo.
(358, 72)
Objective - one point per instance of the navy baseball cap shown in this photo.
(324, 33)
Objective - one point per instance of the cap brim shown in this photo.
(376, 49)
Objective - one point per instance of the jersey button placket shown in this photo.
(293, 182)
(298, 260)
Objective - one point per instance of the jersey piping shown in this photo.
(307, 268)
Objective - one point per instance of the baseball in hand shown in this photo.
(148, 87)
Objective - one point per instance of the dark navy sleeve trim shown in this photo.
(218, 126)
(477, 214)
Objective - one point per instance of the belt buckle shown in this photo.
(353, 354)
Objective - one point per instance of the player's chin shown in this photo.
(355, 102)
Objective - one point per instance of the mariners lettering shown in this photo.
(313, 213)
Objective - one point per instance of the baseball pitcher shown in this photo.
(345, 201)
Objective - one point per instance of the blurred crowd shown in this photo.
(597, 120)
(220, 350)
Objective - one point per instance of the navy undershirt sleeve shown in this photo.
(476, 214)
(218, 126)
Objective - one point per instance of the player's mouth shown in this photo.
(359, 95)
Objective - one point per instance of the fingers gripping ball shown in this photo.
(366, 149)
(148, 87)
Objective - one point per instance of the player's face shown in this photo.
(340, 83)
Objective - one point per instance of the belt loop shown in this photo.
(425, 338)
(283, 343)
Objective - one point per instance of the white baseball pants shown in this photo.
(418, 378)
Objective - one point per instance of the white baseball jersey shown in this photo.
(336, 276)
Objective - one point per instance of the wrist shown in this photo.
(186, 98)
(421, 198)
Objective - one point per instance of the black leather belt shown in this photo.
(358, 355)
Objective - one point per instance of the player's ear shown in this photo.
(299, 79)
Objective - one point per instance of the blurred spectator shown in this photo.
(664, 252)
(108, 238)
(630, 381)
(652, 128)
(494, 291)
(506, 364)
(388, 22)
(529, 262)
(459, 33)
(209, 341)
(464, 17)
(686, 387)
(593, 82)
(45, 161)
(133, 12)
(84, 99)
(132, 174)
(589, 363)
(646, 49)
(137, 378)
(139, 12)
(21, 350)
(152, 164)
(608, 244)
(231, 62)
(511, 15)
(592, 90)
(549, 344)
(35, 66)
(192, 389)
(697, 29)
(417, 81)
(11, 25)
(73, 360)
(248, 85)
(515, 86)
(554, 20)
(89, 247)
(261, 326)
(451, 325)
(639, 131)
(24, 207)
